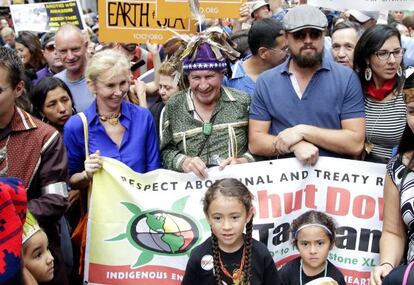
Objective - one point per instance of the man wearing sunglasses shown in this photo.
(307, 106)
(54, 65)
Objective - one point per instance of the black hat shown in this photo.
(47, 38)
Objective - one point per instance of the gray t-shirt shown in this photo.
(81, 94)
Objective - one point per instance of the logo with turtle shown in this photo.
(161, 232)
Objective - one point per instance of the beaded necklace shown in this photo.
(235, 277)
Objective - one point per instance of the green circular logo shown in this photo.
(164, 232)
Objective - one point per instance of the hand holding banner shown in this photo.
(142, 228)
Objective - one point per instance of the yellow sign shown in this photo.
(136, 22)
(209, 8)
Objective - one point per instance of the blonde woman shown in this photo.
(117, 128)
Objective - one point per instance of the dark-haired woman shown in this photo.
(52, 102)
(29, 49)
(397, 239)
(378, 62)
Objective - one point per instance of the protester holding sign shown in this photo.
(229, 210)
(398, 228)
(378, 61)
(117, 128)
(205, 125)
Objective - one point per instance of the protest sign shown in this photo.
(142, 228)
(46, 17)
(136, 22)
(208, 8)
(366, 5)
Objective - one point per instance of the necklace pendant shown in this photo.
(207, 128)
(368, 147)
(113, 121)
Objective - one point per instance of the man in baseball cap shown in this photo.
(365, 18)
(260, 10)
(54, 65)
(319, 103)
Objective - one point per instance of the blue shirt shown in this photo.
(42, 73)
(408, 44)
(239, 79)
(333, 94)
(139, 146)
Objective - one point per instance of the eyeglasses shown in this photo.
(302, 34)
(50, 48)
(283, 49)
(385, 54)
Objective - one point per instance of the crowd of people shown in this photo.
(278, 82)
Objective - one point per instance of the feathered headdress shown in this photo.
(208, 50)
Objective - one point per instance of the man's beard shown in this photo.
(308, 61)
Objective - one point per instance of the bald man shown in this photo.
(71, 46)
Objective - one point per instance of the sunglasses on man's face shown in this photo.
(302, 34)
(50, 48)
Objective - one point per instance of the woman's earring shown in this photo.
(399, 71)
(368, 73)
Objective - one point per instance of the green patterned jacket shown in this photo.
(182, 135)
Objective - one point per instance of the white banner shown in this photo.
(366, 5)
(46, 17)
(133, 235)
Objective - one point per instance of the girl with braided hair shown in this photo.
(229, 256)
(313, 234)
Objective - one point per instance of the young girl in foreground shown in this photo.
(313, 234)
(229, 256)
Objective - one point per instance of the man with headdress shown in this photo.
(205, 125)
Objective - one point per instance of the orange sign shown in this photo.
(135, 21)
(209, 8)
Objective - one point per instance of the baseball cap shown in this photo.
(363, 16)
(257, 5)
(47, 38)
(304, 17)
